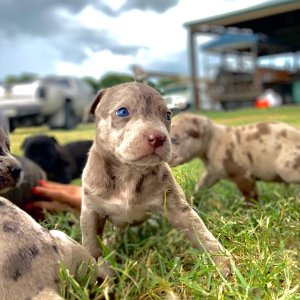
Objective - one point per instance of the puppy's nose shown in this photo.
(15, 172)
(156, 140)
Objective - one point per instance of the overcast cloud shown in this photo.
(92, 37)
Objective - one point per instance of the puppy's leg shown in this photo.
(248, 188)
(207, 180)
(183, 217)
(91, 225)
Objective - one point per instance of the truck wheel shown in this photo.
(12, 125)
(70, 117)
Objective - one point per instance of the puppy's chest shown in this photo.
(130, 204)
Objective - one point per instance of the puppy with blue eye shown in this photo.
(127, 177)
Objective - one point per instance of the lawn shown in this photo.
(154, 260)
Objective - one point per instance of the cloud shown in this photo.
(33, 21)
(74, 43)
(158, 6)
(43, 17)
(35, 18)
(46, 36)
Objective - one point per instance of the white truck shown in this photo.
(179, 97)
(58, 101)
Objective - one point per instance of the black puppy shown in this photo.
(62, 163)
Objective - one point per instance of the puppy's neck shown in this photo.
(117, 170)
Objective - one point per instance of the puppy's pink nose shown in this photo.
(156, 140)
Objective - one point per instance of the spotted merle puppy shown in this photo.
(127, 177)
(31, 257)
(268, 151)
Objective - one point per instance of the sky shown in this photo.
(93, 37)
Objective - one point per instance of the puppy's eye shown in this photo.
(168, 116)
(122, 112)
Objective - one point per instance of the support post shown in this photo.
(194, 67)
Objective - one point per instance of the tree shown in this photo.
(24, 77)
(111, 79)
(94, 83)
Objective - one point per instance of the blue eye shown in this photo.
(168, 116)
(122, 112)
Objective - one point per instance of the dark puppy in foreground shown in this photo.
(62, 163)
(268, 151)
(127, 177)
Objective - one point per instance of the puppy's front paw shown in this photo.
(223, 263)
(105, 276)
(104, 268)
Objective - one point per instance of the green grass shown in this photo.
(153, 260)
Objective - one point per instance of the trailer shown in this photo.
(244, 68)
(250, 38)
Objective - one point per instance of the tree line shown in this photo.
(106, 81)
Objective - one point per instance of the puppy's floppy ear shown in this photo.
(204, 125)
(193, 128)
(53, 139)
(99, 95)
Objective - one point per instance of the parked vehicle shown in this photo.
(179, 97)
(58, 101)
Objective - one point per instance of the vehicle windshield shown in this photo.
(59, 81)
(175, 89)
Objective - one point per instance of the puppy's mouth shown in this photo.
(149, 159)
(148, 156)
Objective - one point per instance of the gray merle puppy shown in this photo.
(127, 177)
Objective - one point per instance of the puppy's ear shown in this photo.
(99, 95)
(202, 126)
(53, 139)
